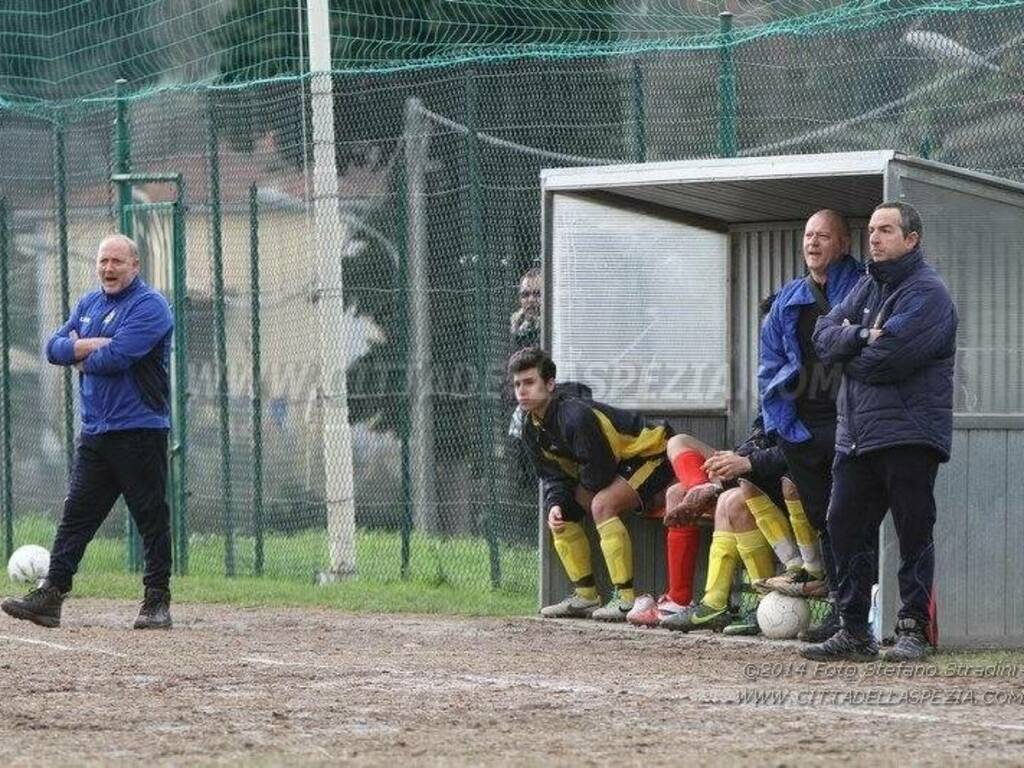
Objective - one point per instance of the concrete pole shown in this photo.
(335, 333)
(418, 372)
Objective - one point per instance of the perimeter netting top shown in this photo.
(66, 49)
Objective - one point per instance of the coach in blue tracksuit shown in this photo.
(895, 335)
(119, 339)
(798, 391)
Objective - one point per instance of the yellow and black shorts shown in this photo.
(647, 476)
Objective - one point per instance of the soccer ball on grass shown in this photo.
(29, 563)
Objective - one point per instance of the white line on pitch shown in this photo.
(59, 647)
(924, 718)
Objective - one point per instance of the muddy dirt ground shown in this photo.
(272, 686)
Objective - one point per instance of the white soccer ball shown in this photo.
(29, 563)
(781, 617)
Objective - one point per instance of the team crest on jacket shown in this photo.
(109, 317)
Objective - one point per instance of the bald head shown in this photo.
(826, 241)
(117, 263)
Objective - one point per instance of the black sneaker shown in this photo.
(843, 646)
(827, 626)
(155, 612)
(911, 642)
(40, 606)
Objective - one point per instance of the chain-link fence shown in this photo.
(326, 431)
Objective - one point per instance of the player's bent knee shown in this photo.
(749, 490)
(679, 443)
(723, 509)
(734, 509)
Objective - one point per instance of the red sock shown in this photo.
(687, 466)
(681, 545)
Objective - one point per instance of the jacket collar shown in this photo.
(128, 290)
(838, 267)
(894, 272)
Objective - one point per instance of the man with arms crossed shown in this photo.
(895, 335)
(119, 339)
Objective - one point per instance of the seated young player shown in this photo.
(736, 538)
(592, 459)
(748, 521)
(759, 464)
(682, 545)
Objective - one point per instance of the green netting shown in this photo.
(444, 115)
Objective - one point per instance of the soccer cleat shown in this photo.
(648, 613)
(843, 646)
(823, 629)
(795, 583)
(911, 642)
(699, 616)
(155, 612)
(616, 610)
(746, 622)
(40, 606)
(700, 500)
(573, 607)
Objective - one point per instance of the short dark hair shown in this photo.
(532, 357)
(910, 219)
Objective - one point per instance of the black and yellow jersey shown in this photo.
(583, 442)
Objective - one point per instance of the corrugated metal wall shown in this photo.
(977, 243)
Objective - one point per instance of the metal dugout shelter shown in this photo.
(653, 275)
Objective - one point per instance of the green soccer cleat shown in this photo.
(573, 607)
(699, 616)
(746, 622)
(615, 610)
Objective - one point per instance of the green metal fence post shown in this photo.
(221, 341)
(639, 115)
(485, 418)
(257, 384)
(60, 176)
(179, 451)
(5, 371)
(726, 88)
(402, 344)
(123, 155)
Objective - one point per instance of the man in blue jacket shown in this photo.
(895, 335)
(798, 391)
(119, 339)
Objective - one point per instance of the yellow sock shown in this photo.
(756, 554)
(722, 561)
(618, 556)
(806, 538)
(775, 527)
(574, 551)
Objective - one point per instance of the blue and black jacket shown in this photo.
(897, 390)
(126, 384)
(780, 359)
